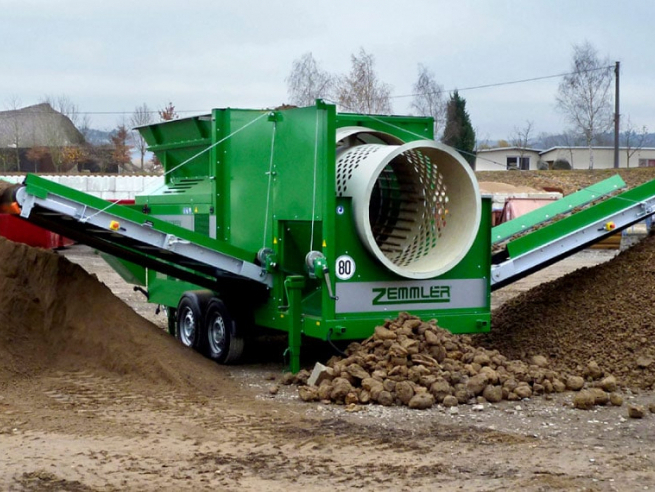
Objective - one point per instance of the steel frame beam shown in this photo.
(531, 261)
(147, 239)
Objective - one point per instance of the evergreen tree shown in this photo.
(459, 132)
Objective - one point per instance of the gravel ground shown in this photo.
(83, 431)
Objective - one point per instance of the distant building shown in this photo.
(528, 159)
(38, 139)
(504, 158)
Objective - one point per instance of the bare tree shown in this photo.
(307, 82)
(521, 139)
(84, 125)
(584, 95)
(15, 127)
(360, 91)
(121, 151)
(142, 116)
(429, 98)
(522, 136)
(633, 140)
(65, 105)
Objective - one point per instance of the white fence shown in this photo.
(105, 187)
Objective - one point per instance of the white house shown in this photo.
(578, 157)
(503, 158)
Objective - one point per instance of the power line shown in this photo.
(499, 84)
(475, 87)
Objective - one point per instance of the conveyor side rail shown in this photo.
(556, 241)
(135, 236)
(566, 204)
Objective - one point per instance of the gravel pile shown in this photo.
(415, 363)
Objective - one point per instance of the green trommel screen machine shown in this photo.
(317, 223)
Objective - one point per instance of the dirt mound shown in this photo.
(605, 313)
(567, 181)
(500, 187)
(415, 363)
(56, 317)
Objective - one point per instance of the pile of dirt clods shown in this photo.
(415, 363)
(593, 329)
(605, 313)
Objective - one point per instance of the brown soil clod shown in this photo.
(394, 367)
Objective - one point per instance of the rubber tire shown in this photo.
(191, 309)
(222, 340)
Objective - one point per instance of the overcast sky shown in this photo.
(110, 56)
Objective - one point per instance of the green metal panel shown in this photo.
(581, 219)
(300, 162)
(41, 187)
(244, 165)
(547, 212)
(130, 272)
(165, 290)
(271, 167)
(403, 127)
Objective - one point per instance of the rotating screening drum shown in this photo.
(416, 205)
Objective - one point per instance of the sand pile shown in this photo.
(605, 313)
(56, 317)
(415, 363)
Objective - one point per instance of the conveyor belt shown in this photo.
(558, 240)
(566, 204)
(137, 237)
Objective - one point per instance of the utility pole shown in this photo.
(616, 114)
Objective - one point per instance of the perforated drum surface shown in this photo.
(408, 205)
(349, 161)
(416, 206)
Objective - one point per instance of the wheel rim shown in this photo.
(187, 327)
(217, 334)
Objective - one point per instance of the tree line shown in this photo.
(584, 98)
(362, 91)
